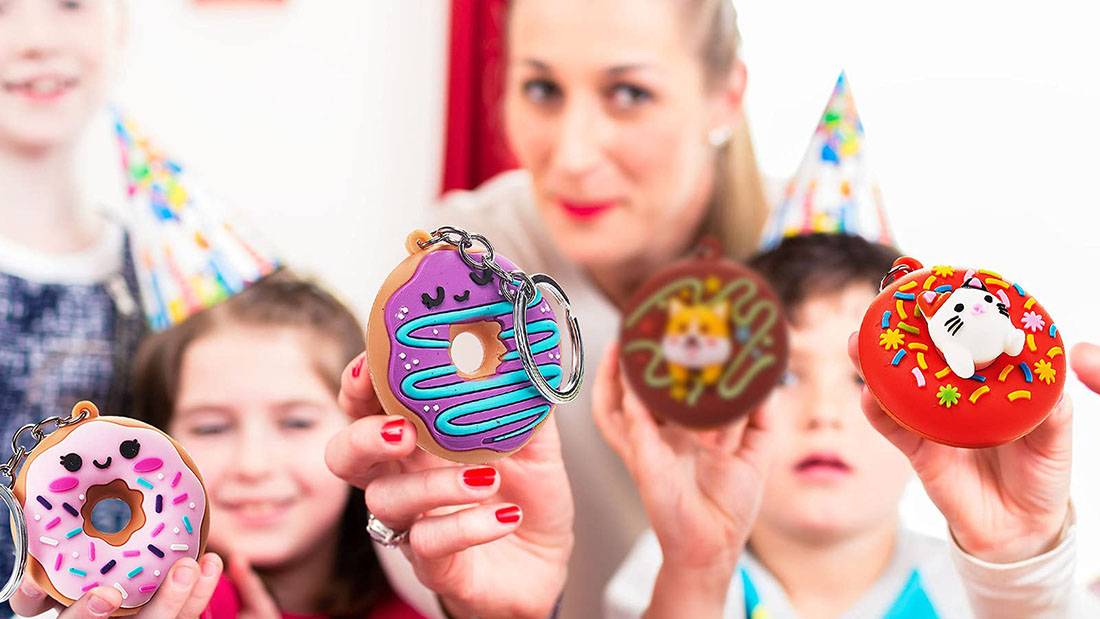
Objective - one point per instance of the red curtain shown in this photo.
(475, 148)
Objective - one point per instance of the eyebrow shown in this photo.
(612, 71)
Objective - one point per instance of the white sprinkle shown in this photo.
(408, 367)
(401, 317)
(401, 356)
(416, 361)
(435, 407)
(179, 547)
(404, 310)
(426, 409)
(121, 590)
(48, 540)
(39, 516)
(176, 530)
(192, 506)
(435, 331)
(81, 497)
(160, 475)
(76, 555)
(156, 572)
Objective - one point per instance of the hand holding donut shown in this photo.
(1003, 504)
(185, 593)
(503, 557)
(701, 489)
(1085, 359)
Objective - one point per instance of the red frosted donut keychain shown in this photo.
(85, 460)
(960, 356)
(703, 341)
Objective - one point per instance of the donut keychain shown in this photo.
(88, 459)
(961, 356)
(447, 289)
(703, 341)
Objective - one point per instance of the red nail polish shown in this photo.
(508, 515)
(391, 431)
(480, 477)
(357, 368)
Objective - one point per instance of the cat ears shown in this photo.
(928, 302)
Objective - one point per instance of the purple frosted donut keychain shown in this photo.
(446, 289)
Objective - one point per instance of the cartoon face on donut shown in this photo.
(474, 415)
(101, 458)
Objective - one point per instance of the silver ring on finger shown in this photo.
(384, 535)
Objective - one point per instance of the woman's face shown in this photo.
(606, 105)
(56, 59)
(255, 415)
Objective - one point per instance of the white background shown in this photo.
(322, 121)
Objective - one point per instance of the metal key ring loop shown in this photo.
(19, 536)
(523, 346)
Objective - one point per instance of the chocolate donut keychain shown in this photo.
(85, 460)
(960, 356)
(444, 289)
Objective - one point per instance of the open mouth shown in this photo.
(44, 88)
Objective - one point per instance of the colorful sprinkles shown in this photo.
(44, 502)
(928, 282)
(907, 286)
(1005, 372)
(909, 328)
(901, 310)
(920, 377)
(885, 323)
(1018, 395)
(1027, 372)
(73, 533)
(187, 523)
(134, 572)
(80, 573)
(979, 392)
(142, 481)
(1054, 352)
(898, 357)
(905, 296)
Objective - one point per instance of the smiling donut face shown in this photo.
(102, 458)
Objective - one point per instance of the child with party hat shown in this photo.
(793, 513)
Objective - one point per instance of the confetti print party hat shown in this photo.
(833, 191)
(189, 251)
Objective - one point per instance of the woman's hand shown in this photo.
(1003, 504)
(1085, 359)
(491, 541)
(701, 489)
(184, 593)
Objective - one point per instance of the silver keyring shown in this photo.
(19, 536)
(571, 387)
(385, 536)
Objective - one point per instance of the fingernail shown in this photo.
(30, 590)
(100, 606)
(479, 477)
(184, 575)
(209, 567)
(355, 371)
(508, 515)
(391, 431)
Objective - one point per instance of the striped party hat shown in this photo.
(190, 252)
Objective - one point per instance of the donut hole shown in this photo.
(476, 349)
(110, 515)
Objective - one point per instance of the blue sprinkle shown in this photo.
(1019, 291)
(978, 377)
(898, 357)
(905, 296)
(80, 573)
(886, 319)
(69, 508)
(160, 503)
(157, 551)
(110, 565)
(134, 572)
(1053, 330)
(142, 482)
(46, 504)
(1027, 372)
(187, 523)
(943, 288)
(72, 533)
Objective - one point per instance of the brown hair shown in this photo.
(280, 300)
(806, 265)
(738, 207)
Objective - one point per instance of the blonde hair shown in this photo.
(738, 207)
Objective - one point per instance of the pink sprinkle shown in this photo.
(147, 588)
(919, 376)
(63, 484)
(156, 531)
(53, 523)
(131, 553)
(148, 464)
(57, 563)
(180, 499)
(1004, 297)
(176, 479)
(91, 550)
(89, 587)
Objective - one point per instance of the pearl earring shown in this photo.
(720, 136)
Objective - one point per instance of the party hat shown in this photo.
(190, 252)
(833, 190)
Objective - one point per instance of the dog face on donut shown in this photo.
(970, 327)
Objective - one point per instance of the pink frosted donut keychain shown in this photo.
(89, 459)
(442, 291)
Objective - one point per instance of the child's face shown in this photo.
(254, 414)
(55, 63)
(833, 475)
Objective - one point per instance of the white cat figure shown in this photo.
(970, 326)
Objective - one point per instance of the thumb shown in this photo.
(1085, 359)
(256, 602)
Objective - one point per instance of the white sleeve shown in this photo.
(1041, 587)
(403, 581)
(627, 595)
